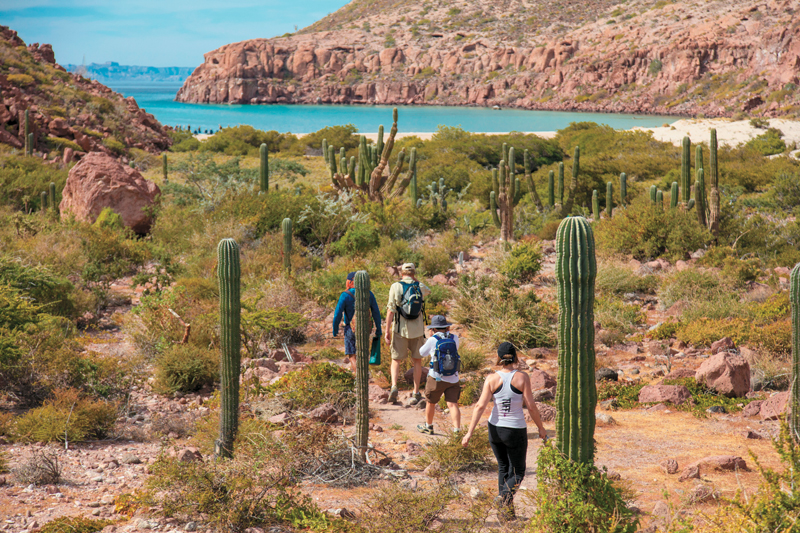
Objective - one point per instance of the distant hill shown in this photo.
(110, 72)
(678, 57)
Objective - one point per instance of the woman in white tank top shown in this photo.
(510, 390)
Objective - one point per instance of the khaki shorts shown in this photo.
(434, 390)
(401, 346)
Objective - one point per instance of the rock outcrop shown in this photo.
(99, 181)
(67, 111)
(726, 373)
(678, 58)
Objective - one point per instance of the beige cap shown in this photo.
(408, 267)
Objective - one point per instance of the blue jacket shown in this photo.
(347, 307)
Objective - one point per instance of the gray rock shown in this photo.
(606, 374)
(130, 459)
(190, 526)
(475, 493)
(604, 419)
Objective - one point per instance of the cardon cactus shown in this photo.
(660, 200)
(551, 193)
(286, 225)
(623, 189)
(576, 396)
(595, 206)
(699, 196)
(43, 196)
(686, 164)
(30, 144)
(609, 199)
(517, 190)
(412, 184)
(653, 192)
(505, 203)
(566, 205)
(164, 171)
(229, 273)
(495, 186)
(379, 144)
(324, 149)
(363, 329)
(794, 299)
(512, 170)
(52, 196)
(673, 195)
(560, 191)
(713, 204)
(264, 168)
(493, 208)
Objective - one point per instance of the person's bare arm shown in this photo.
(388, 327)
(527, 395)
(480, 407)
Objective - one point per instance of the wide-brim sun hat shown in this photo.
(408, 267)
(439, 322)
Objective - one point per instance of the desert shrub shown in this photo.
(618, 316)
(450, 456)
(434, 260)
(246, 140)
(53, 293)
(691, 285)
(185, 368)
(316, 384)
(785, 191)
(60, 144)
(495, 312)
(358, 240)
(704, 398)
(108, 218)
(75, 524)
(41, 468)
(188, 144)
(666, 330)
(615, 277)
(115, 145)
(67, 415)
(745, 167)
(329, 353)
(471, 358)
(271, 326)
(578, 497)
(626, 394)
(524, 262)
(768, 143)
(22, 179)
(110, 253)
(324, 286)
(471, 391)
(388, 508)
(337, 137)
(646, 232)
(775, 338)
(21, 80)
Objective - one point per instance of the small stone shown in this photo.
(690, 472)
(107, 499)
(280, 419)
(606, 374)
(413, 448)
(475, 493)
(613, 476)
(610, 405)
(144, 524)
(753, 408)
(606, 420)
(130, 459)
(341, 513)
(432, 469)
(96, 512)
(718, 409)
(190, 526)
(634, 371)
(702, 493)
(661, 509)
(669, 466)
(93, 505)
(97, 479)
(750, 434)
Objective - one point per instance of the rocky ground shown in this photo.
(654, 448)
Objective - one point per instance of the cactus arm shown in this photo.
(377, 173)
(387, 188)
(686, 163)
(595, 206)
(529, 181)
(493, 208)
(560, 190)
(714, 207)
(573, 186)
(264, 165)
(52, 196)
(229, 273)
(673, 195)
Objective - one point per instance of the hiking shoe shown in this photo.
(415, 399)
(393, 395)
(425, 428)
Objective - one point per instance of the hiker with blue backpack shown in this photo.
(405, 315)
(443, 379)
(346, 307)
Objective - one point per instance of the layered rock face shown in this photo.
(67, 107)
(718, 58)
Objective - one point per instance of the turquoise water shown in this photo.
(157, 98)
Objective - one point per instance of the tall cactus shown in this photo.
(264, 167)
(566, 208)
(324, 149)
(493, 208)
(229, 273)
(576, 397)
(529, 181)
(512, 170)
(609, 199)
(686, 165)
(551, 193)
(286, 226)
(623, 189)
(495, 186)
(700, 196)
(794, 298)
(164, 170)
(52, 196)
(673, 195)
(595, 206)
(505, 203)
(660, 200)
(713, 207)
(43, 197)
(380, 144)
(653, 192)
(560, 191)
(412, 184)
(363, 328)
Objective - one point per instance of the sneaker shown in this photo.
(415, 399)
(393, 395)
(425, 428)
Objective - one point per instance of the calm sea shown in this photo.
(157, 98)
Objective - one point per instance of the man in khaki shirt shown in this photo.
(406, 334)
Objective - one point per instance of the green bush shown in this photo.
(618, 316)
(471, 358)
(75, 524)
(337, 136)
(435, 260)
(185, 368)
(22, 179)
(617, 278)
(68, 414)
(189, 144)
(768, 143)
(53, 293)
(646, 232)
(358, 240)
(316, 384)
(452, 457)
(246, 140)
(387, 509)
(524, 262)
(578, 497)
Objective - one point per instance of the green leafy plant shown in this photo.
(451, 457)
(75, 524)
(316, 384)
(524, 262)
(67, 415)
(185, 368)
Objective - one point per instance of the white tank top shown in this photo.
(508, 405)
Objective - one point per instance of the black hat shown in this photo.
(351, 276)
(439, 322)
(507, 353)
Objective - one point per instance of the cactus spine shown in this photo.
(493, 208)
(43, 196)
(286, 225)
(686, 164)
(794, 298)
(551, 193)
(52, 196)
(713, 208)
(595, 206)
(264, 168)
(229, 273)
(576, 399)
(363, 329)
(623, 189)
(609, 199)
(673, 195)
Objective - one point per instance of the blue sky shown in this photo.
(157, 33)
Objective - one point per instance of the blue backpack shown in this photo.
(447, 361)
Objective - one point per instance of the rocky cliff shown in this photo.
(66, 112)
(717, 57)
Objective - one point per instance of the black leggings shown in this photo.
(510, 446)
